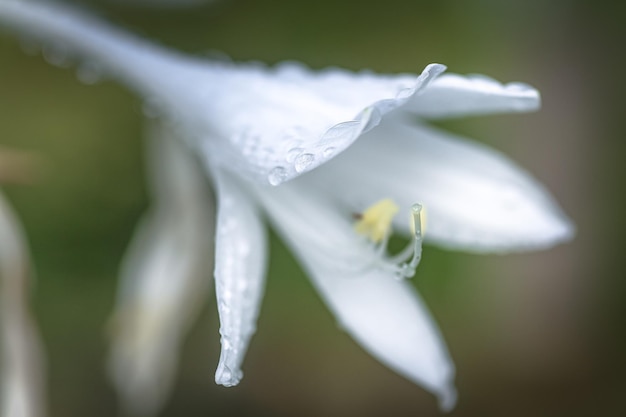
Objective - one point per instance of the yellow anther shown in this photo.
(375, 222)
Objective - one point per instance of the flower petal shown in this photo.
(165, 277)
(476, 199)
(286, 121)
(385, 315)
(453, 95)
(271, 124)
(22, 360)
(240, 262)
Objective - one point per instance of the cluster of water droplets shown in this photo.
(300, 159)
(59, 55)
(89, 73)
(344, 133)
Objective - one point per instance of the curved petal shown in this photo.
(476, 198)
(270, 124)
(385, 315)
(165, 277)
(389, 320)
(240, 261)
(22, 360)
(453, 95)
(286, 121)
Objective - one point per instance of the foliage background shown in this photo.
(536, 334)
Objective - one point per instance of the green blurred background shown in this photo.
(538, 334)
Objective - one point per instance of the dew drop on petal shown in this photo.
(518, 87)
(304, 161)
(292, 154)
(344, 131)
(226, 343)
(328, 152)
(277, 175)
(57, 55)
(227, 375)
(89, 73)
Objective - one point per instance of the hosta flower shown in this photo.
(282, 142)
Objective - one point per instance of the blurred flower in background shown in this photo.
(21, 363)
(165, 278)
(284, 398)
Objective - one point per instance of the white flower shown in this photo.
(250, 128)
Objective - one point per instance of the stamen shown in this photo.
(407, 269)
(375, 224)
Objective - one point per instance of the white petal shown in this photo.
(388, 318)
(270, 124)
(383, 314)
(22, 360)
(287, 121)
(240, 262)
(453, 95)
(475, 197)
(165, 278)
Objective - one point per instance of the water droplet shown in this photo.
(304, 161)
(277, 175)
(328, 152)
(344, 131)
(293, 153)
(226, 345)
(57, 55)
(226, 374)
(89, 73)
(518, 87)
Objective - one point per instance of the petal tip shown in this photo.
(447, 398)
(549, 226)
(562, 230)
(454, 95)
(435, 69)
(226, 376)
(546, 233)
